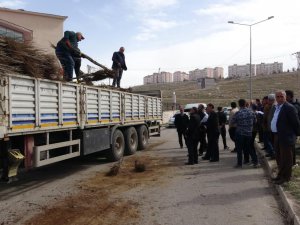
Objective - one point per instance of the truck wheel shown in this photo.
(143, 137)
(131, 140)
(117, 147)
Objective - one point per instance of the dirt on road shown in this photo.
(99, 200)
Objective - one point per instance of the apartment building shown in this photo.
(269, 68)
(179, 76)
(218, 73)
(240, 70)
(207, 72)
(195, 74)
(163, 77)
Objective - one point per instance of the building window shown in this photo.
(11, 34)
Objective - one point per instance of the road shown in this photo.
(168, 192)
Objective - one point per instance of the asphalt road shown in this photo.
(207, 193)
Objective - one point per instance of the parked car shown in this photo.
(188, 107)
(172, 120)
(227, 110)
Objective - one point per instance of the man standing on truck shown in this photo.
(118, 66)
(69, 54)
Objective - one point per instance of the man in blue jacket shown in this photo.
(118, 66)
(69, 54)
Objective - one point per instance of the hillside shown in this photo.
(225, 90)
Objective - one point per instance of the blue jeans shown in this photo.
(118, 76)
(67, 62)
(243, 145)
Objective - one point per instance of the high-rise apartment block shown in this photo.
(179, 76)
(218, 72)
(240, 70)
(269, 68)
(163, 77)
(208, 72)
(258, 69)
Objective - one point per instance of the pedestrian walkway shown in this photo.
(209, 193)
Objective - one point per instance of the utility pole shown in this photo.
(297, 54)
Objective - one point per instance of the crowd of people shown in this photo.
(274, 121)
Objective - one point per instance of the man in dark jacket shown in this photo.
(181, 122)
(285, 126)
(202, 129)
(69, 54)
(118, 66)
(222, 122)
(193, 136)
(213, 133)
(290, 99)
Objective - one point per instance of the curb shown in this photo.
(292, 218)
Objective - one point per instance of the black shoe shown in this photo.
(181, 146)
(263, 148)
(237, 166)
(195, 162)
(234, 150)
(4, 180)
(214, 160)
(188, 163)
(205, 158)
(275, 178)
(280, 181)
(268, 155)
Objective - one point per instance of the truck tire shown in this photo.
(131, 140)
(117, 146)
(143, 137)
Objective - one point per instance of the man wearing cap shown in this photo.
(118, 66)
(69, 54)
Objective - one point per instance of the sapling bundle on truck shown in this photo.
(25, 59)
(101, 74)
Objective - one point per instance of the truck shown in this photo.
(49, 121)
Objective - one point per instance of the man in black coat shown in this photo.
(181, 122)
(284, 126)
(213, 133)
(290, 99)
(118, 66)
(202, 129)
(193, 136)
(222, 123)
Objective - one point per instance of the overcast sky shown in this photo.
(178, 34)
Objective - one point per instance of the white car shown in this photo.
(188, 107)
(172, 120)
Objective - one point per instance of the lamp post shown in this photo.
(250, 26)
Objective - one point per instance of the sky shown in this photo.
(178, 35)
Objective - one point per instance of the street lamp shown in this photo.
(250, 26)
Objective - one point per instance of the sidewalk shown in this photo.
(285, 191)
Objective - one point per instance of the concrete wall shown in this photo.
(45, 29)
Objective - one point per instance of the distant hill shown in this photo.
(226, 90)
